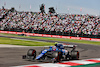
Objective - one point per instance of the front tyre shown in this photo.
(31, 54)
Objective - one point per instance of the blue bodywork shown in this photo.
(58, 47)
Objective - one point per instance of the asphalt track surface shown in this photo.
(12, 56)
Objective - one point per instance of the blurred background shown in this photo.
(79, 18)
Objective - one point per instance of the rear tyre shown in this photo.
(75, 55)
(67, 57)
(55, 56)
(58, 56)
(31, 54)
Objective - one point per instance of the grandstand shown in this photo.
(36, 22)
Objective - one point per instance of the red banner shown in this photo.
(46, 35)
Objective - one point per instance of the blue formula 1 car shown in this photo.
(54, 54)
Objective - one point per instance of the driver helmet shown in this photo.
(56, 43)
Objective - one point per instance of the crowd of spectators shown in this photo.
(3, 12)
(63, 23)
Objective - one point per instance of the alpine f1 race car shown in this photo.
(56, 53)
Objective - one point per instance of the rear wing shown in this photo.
(70, 46)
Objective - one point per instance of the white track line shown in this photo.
(9, 45)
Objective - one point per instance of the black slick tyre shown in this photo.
(31, 54)
(75, 55)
